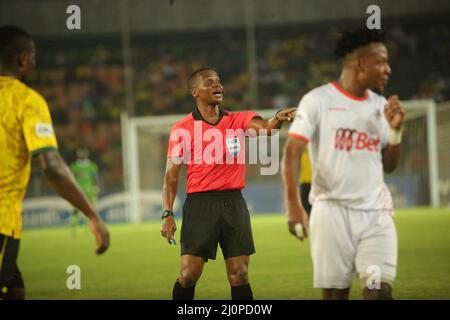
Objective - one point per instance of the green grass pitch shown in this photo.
(141, 265)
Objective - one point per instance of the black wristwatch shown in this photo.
(167, 213)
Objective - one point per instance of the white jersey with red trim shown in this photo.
(346, 135)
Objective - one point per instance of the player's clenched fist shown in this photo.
(298, 216)
(394, 113)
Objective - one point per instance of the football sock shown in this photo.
(181, 293)
(243, 292)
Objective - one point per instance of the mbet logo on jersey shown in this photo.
(348, 139)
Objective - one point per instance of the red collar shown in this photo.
(348, 94)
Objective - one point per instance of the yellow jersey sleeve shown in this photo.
(37, 125)
(305, 169)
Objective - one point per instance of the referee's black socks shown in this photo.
(243, 292)
(181, 293)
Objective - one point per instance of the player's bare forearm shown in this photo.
(293, 150)
(391, 157)
(170, 184)
(62, 181)
(297, 216)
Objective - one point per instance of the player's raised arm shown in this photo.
(284, 115)
(62, 181)
(293, 151)
(395, 115)
(169, 193)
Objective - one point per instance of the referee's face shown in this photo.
(209, 88)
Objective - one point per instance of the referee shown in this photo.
(214, 211)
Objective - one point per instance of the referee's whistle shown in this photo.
(172, 241)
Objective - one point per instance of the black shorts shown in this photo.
(10, 276)
(216, 217)
(305, 188)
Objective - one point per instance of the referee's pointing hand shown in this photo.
(168, 228)
(287, 114)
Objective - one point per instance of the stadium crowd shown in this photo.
(86, 92)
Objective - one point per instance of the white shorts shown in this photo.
(345, 241)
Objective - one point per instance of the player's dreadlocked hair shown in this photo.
(13, 40)
(350, 40)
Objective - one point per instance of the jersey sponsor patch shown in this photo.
(233, 146)
(348, 139)
(44, 130)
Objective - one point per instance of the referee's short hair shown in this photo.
(193, 77)
(13, 40)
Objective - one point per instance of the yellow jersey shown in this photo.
(305, 168)
(25, 131)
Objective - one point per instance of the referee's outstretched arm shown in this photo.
(62, 181)
(266, 126)
(169, 193)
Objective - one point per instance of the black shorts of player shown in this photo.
(10, 276)
(216, 217)
(305, 188)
